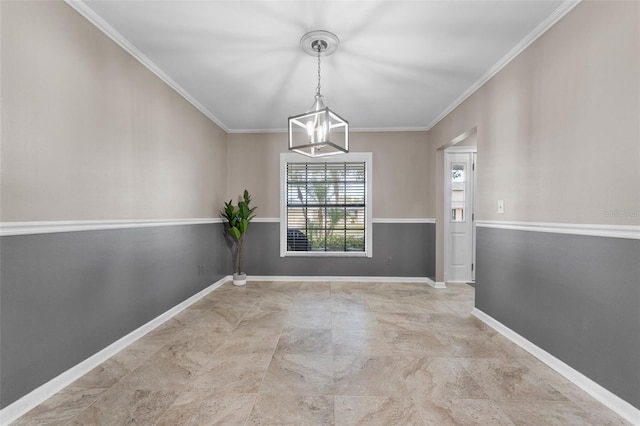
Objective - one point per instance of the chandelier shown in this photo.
(319, 132)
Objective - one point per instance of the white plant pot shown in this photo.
(239, 279)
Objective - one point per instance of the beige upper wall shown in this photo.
(402, 179)
(558, 128)
(88, 133)
(558, 132)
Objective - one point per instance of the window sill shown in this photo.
(325, 254)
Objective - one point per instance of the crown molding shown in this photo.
(88, 13)
(557, 14)
(355, 130)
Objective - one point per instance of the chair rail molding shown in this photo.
(374, 220)
(592, 230)
(48, 227)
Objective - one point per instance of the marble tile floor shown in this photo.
(330, 353)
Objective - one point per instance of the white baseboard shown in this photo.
(31, 400)
(436, 284)
(612, 401)
(34, 398)
(312, 278)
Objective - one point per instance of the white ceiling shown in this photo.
(401, 65)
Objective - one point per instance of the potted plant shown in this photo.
(237, 221)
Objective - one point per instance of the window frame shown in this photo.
(352, 157)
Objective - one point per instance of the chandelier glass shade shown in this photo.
(319, 132)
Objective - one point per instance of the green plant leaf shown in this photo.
(235, 232)
(238, 218)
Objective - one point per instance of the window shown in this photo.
(325, 205)
(458, 182)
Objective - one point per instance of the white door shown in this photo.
(459, 240)
(474, 164)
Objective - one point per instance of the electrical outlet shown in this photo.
(389, 260)
(200, 269)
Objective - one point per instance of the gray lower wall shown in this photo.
(411, 247)
(576, 297)
(66, 296)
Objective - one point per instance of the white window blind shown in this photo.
(326, 207)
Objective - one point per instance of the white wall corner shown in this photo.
(436, 284)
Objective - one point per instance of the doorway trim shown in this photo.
(447, 202)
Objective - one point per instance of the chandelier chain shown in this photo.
(319, 50)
